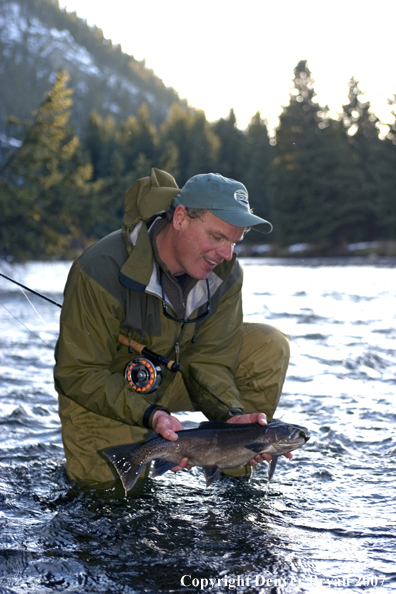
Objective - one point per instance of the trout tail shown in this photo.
(122, 459)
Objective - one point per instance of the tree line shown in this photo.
(319, 180)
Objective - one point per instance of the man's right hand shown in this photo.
(166, 425)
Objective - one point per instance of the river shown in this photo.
(326, 523)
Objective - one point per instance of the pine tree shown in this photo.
(257, 161)
(231, 149)
(203, 145)
(387, 198)
(138, 137)
(174, 134)
(314, 179)
(100, 143)
(44, 183)
(361, 126)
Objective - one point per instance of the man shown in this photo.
(170, 281)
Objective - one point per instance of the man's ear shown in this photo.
(180, 216)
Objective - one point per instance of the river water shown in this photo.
(327, 521)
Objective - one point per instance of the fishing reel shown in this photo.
(144, 374)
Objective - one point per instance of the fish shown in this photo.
(213, 445)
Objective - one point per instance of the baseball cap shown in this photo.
(226, 198)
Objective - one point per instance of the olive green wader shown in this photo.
(261, 371)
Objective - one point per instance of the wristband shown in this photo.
(149, 413)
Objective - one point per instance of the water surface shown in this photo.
(328, 520)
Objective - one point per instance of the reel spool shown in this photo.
(143, 375)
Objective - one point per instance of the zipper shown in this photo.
(177, 351)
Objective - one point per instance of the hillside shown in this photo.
(38, 39)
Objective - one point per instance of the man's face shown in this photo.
(202, 243)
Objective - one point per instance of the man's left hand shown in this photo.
(166, 426)
(261, 419)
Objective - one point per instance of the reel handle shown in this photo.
(143, 350)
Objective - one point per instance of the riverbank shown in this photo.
(372, 249)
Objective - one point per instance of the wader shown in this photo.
(261, 371)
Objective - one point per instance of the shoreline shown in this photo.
(372, 250)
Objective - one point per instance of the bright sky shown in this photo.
(219, 54)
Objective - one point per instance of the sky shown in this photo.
(223, 54)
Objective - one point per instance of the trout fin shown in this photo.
(213, 425)
(121, 458)
(161, 466)
(211, 474)
(257, 447)
(272, 467)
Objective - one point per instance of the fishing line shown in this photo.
(144, 374)
(28, 329)
(45, 324)
(30, 290)
(22, 287)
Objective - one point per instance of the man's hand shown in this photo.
(166, 426)
(261, 419)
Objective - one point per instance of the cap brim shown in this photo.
(243, 219)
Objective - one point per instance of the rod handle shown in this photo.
(143, 350)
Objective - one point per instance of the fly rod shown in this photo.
(142, 374)
(31, 290)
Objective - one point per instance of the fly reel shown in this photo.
(143, 375)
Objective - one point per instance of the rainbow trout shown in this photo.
(214, 446)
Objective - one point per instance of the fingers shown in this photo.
(267, 457)
(168, 434)
(183, 464)
(166, 425)
(259, 418)
(260, 458)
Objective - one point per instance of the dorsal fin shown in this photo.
(213, 425)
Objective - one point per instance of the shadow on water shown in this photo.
(77, 540)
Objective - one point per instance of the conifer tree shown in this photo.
(257, 161)
(44, 183)
(361, 126)
(313, 179)
(387, 198)
(174, 136)
(231, 148)
(100, 142)
(203, 145)
(137, 137)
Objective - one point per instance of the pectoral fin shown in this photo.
(272, 467)
(162, 466)
(211, 473)
(257, 447)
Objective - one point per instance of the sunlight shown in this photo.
(220, 54)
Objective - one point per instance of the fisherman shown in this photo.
(168, 280)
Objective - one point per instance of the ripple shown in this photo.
(328, 512)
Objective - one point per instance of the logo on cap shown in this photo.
(241, 196)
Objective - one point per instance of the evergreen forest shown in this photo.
(320, 181)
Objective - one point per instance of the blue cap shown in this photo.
(226, 198)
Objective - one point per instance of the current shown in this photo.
(326, 523)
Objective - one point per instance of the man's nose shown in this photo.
(226, 251)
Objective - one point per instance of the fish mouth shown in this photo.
(295, 439)
(301, 433)
(293, 434)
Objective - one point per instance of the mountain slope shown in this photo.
(37, 40)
